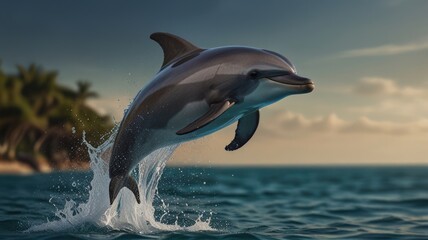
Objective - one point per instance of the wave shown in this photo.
(412, 202)
(124, 213)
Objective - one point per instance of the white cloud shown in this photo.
(386, 50)
(288, 123)
(366, 125)
(378, 86)
(389, 99)
(390, 107)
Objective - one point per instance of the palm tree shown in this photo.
(32, 97)
(36, 112)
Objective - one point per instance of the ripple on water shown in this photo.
(420, 229)
(387, 236)
(388, 220)
(412, 202)
(351, 211)
(344, 225)
(320, 217)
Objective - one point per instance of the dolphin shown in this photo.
(197, 92)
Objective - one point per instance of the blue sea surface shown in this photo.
(241, 203)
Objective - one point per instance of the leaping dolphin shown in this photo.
(197, 92)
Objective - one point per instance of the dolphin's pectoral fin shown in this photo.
(215, 110)
(118, 182)
(173, 46)
(247, 126)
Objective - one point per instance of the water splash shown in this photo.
(124, 213)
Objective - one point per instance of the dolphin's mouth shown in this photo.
(295, 81)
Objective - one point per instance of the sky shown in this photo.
(368, 59)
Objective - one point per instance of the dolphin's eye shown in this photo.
(254, 74)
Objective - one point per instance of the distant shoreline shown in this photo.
(19, 168)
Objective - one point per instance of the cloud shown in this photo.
(389, 99)
(386, 50)
(378, 86)
(394, 108)
(288, 123)
(366, 125)
(296, 121)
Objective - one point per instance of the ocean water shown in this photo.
(227, 203)
(217, 203)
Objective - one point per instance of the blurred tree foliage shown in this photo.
(42, 122)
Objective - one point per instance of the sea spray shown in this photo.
(125, 213)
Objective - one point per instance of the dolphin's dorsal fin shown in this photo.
(173, 46)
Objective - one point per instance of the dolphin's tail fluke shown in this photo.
(118, 182)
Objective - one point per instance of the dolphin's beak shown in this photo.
(296, 81)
